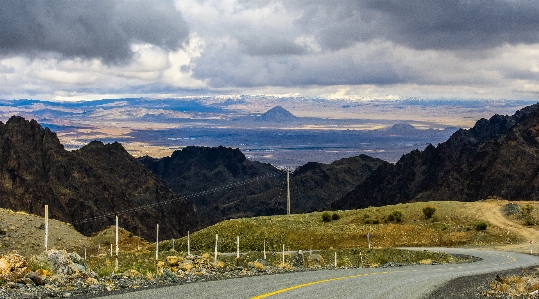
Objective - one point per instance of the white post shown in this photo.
(173, 249)
(157, 244)
(238, 248)
(85, 253)
(111, 249)
(46, 227)
(188, 244)
(288, 191)
(283, 254)
(335, 259)
(215, 252)
(369, 239)
(264, 248)
(116, 262)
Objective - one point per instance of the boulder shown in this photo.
(172, 261)
(186, 265)
(169, 276)
(132, 273)
(13, 267)
(315, 260)
(60, 262)
(298, 260)
(36, 278)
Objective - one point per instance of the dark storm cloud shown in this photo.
(268, 46)
(89, 28)
(423, 24)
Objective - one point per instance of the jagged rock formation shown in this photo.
(277, 114)
(314, 186)
(98, 179)
(194, 170)
(497, 157)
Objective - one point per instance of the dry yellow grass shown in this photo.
(453, 225)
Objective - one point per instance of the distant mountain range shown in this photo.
(498, 157)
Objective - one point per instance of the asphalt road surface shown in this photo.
(393, 282)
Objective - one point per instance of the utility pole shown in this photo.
(288, 191)
(116, 259)
(46, 227)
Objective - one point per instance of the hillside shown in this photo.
(24, 233)
(92, 183)
(314, 186)
(497, 157)
(453, 224)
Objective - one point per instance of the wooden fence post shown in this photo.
(215, 253)
(46, 227)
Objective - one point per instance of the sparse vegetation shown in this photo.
(481, 225)
(529, 219)
(326, 217)
(459, 225)
(429, 211)
(395, 216)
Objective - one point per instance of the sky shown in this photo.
(356, 49)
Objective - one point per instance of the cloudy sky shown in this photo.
(71, 50)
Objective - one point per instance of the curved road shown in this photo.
(399, 282)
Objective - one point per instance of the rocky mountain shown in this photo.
(497, 157)
(201, 173)
(277, 114)
(86, 187)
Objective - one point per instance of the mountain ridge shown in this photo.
(314, 186)
(462, 168)
(85, 187)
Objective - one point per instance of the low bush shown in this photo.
(429, 211)
(481, 225)
(335, 216)
(326, 217)
(395, 216)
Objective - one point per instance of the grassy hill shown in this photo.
(453, 224)
(490, 223)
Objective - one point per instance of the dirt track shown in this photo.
(491, 212)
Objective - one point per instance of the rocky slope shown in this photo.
(314, 186)
(497, 157)
(94, 182)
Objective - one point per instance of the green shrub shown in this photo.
(528, 217)
(429, 211)
(395, 216)
(326, 217)
(527, 209)
(530, 220)
(481, 225)
(335, 216)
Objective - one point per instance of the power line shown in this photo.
(194, 195)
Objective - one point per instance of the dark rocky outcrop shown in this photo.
(314, 186)
(497, 157)
(98, 179)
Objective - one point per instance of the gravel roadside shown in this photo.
(472, 287)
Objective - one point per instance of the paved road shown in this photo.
(398, 282)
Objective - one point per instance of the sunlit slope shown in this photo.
(453, 224)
